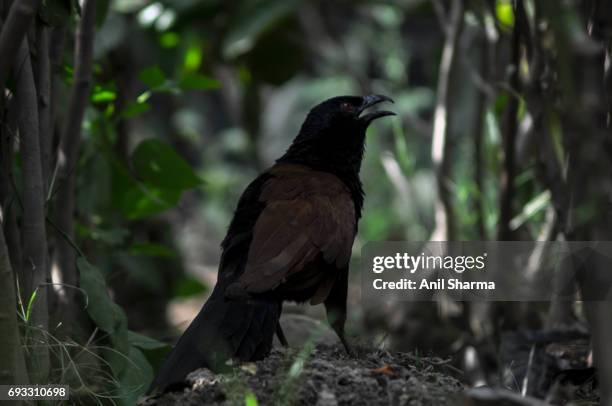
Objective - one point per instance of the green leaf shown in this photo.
(198, 81)
(250, 399)
(556, 136)
(504, 13)
(169, 40)
(155, 351)
(151, 249)
(103, 96)
(135, 199)
(159, 165)
(500, 103)
(144, 342)
(193, 57)
(152, 77)
(142, 201)
(103, 311)
(106, 314)
(189, 286)
(135, 378)
(30, 306)
(135, 109)
(142, 98)
(533, 207)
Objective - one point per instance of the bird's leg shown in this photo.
(281, 335)
(340, 332)
(335, 306)
(337, 323)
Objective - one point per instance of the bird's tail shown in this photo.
(222, 330)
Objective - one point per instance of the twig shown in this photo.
(66, 237)
(43, 75)
(441, 15)
(440, 147)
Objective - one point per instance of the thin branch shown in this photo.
(440, 148)
(509, 141)
(440, 15)
(83, 57)
(484, 97)
(56, 54)
(69, 151)
(43, 74)
(66, 237)
(13, 32)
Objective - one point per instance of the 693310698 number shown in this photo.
(34, 392)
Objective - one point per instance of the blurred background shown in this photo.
(502, 133)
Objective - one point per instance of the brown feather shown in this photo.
(308, 215)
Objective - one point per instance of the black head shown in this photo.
(344, 112)
(333, 134)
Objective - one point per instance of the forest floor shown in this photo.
(552, 365)
(326, 376)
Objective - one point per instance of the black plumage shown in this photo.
(290, 239)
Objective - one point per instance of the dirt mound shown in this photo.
(324, 376)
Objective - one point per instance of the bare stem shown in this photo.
(509, 144)
(43, 74)
(69, 146)
(441, 146)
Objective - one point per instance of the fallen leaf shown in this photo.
(384, 370)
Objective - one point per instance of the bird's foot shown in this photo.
(281, 336)
(350, 350)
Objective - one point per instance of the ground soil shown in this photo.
(325, 376)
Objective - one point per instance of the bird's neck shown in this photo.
(342, 161)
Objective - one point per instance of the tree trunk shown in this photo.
(34, 242)
(12, 367)
(13, 32)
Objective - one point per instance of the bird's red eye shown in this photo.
(346, 107)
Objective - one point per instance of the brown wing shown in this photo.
(308, 215)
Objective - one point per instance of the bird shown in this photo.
(290, 239)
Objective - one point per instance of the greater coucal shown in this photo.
(290, 239)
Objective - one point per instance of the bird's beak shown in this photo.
(369, 101)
